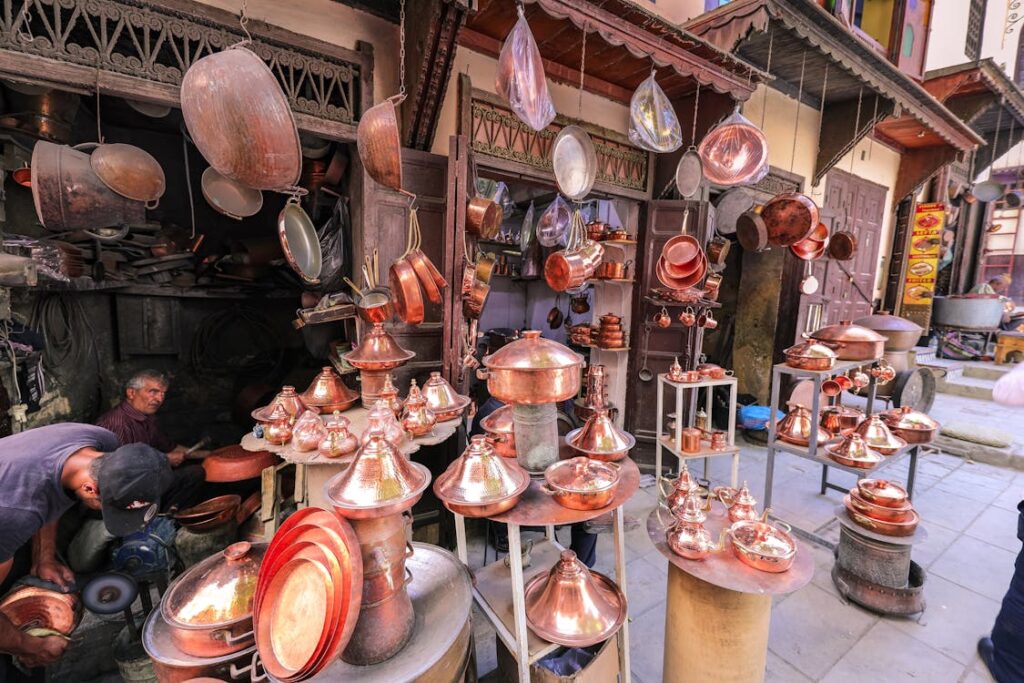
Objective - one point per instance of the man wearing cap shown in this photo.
(43, 472)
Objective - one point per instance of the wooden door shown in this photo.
(845, 293)
(384, 217)
(662, 219)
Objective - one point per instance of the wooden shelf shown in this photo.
(705, 451)
(617, 281)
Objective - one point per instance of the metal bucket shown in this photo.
(882, 564)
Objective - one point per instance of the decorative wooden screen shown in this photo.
(975, 29)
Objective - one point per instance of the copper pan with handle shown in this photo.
(789, 218)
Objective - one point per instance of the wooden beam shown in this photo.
(840, 133)
(917, 166)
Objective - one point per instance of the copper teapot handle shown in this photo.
(723, 492)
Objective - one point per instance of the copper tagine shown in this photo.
(481, 483)
(338, 440)
(380, 481)
(417, 417)
(288, 399)
(878, 436)
(911, 425)
(442, 398)
(214, 600)
(500, 430)
(599, 438)
(852, 451)
(533, 370)
(377, 350)
(389, 394)
(382, 418)
(328, 392)
(574, 606)
(797, 428)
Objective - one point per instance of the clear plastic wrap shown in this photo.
(521, 77)
(735, 152)
(526, 230)
(553, 226)
(653, 124)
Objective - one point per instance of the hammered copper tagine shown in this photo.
(533, 370)
(480, 483)
(797, 428)
(289, 400)
(852, 451)
(442, 398)
(599, 438)
(329, 393)
(574, 606)
(911, 425)
(377, 350)
(878, 436)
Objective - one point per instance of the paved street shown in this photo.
(969, 510)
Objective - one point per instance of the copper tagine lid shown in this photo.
(878, 436)
(442, 398)
(533, 352)
(797, 428)
(499, 422)
(906, 418)
(600, 436)
(377, 350)
(883, 321)
(288, 399)
(219, 590)
(846, 332)
(379, 480)
(328, 392)
(573, 606)
(692, 510)
(853, 447)
(480, 476)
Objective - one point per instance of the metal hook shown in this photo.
(412, 199)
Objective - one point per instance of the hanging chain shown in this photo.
(583, 67)
(821, 109)
(799, 101)
(401, 49)
(768, 70)
(696, 103)
(856, 127)
(99, 127)
(995, 140)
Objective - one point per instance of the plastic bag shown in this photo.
(1009, 389)
(526, 229)
(521, 77)
(332, 247)
(653, 124)
(553, 226)
(756, 417)
(735, 152)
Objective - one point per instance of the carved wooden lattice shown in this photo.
(497, 132)
(157, 43)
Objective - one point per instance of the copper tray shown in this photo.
(906, 528)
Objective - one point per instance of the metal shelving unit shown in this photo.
(669, 442)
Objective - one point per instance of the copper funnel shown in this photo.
(382, 418)
(377, 350)
(288, 399)
(417, 417)
(389, 394)
(480, 483)
(328, 393)
(442, 398)
(797, 428)
(380, 481)
(878, 437)
(573, 606)
(600, 438)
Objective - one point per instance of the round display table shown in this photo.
(718, 609)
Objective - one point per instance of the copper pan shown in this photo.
(406, 289)
(680, 283)
(842, 246)
(789, 217)
(425, 273)
(240, 120)
(807, 250)
(129, 171)
(379, 144)
(565, 270)
(751, 230)
(375, 305)
(581, 483)
(680, 251)
(483, 217)
(209, 508)
(31, 607)
(229, 197)
(718, 251)
(299, 241)
(879, 512)
(484, 268)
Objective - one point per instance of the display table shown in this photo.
(499, 587)
(313, 470)
(718, 609)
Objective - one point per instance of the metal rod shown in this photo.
(620, 577)
(515, 563)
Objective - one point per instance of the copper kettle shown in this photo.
(688, 538)
(740, 503)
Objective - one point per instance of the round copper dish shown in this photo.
(329, 393)
(442, 399)
(31, 607)
(480, 483)
(405, 288)
(380, 481)
(880, 512)
(209, 509)
(763, 546)
(905, 528)
(882, 492)
(574, 606)
(234, 463)
(581, 483)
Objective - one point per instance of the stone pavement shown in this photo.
(969, 510)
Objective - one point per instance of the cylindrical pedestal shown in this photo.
(371, 385)
(713, 634)
(536, 431)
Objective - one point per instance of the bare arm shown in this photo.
(45, 564)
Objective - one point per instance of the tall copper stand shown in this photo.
(718, 609)
(498, 589)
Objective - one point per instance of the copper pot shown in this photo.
(712, 371)
(379, 144)
(842, 246)
(751, 230)
(31, 607)
(483, 217)
(241, 121)
(533, 370)
(840, 420)
(903, 528)
(407, 293)
(882, 492)
(596, 230)
(581, 483)
(500, 431)
(718, 251)
(377, 350)
(375, 305)
(762, 545)
(171, 665)
(209, 607)
(480, 483)
(851, 342)
(884, 513)
(808, 355)
(328, 392)
(911, 425)
(689, 439)
(789, 217)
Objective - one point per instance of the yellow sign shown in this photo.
(923, 255)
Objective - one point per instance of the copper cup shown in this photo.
(709, 322)
(718, 441)
(688, 317)
(689, 439)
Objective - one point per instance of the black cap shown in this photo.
(132, 479)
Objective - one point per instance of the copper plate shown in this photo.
(294, 618)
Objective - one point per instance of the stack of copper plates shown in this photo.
(682, 263)
(308, 594)
(882, 507)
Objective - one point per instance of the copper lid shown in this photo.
(442, 397)
(329, 392)
(581, 475)
(499, 422)
(906, 418)
(743, 498)
(380, 476)
(219, 590)
(480, 476)
(278, 413)
(685, 481)
(533, 352)
(883, 321)
(573, 606)
(797, 427)
(847, 332)
(287, 398)
(377, 350)
(853, 447)
(877, 435)
(599, 435)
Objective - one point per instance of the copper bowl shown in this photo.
(234, 463)
(209, 509)
(882, 492)
(762, 545)
(581, 483)
(840, 420)
(810, 355)
(480, 483)
(904, 528)
(31, 607)
(880, 512)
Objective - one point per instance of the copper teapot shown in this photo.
(687, 537)
(681, 487)
(308, 431)
(389, 394)
(740, 503)
(278, 428)
(382, 417)
(675, 371)
(338, 441)
(417, 417)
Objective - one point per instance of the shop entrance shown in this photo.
(855, 205)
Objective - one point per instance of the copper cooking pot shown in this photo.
(171, 665)
(911, 425)
(229, 197)
(374, 305)
(809, 355)
(751, 230)
(240, 120)
(406, 291)
(789, 217)
(900, 334)
(533, 370)
(882, 492)
(31, 607)
(500, 431)
(851, 342)
(328, 392)
(308, 431)
(581, 483)
(763, 545)
(483, 217)
(840, 420)
(209, 607)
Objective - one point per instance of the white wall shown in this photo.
(947, 36)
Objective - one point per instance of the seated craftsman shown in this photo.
(42, 472)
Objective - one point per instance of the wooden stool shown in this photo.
(1008, 343)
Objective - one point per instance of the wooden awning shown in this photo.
(862, 86)
(630, 40)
